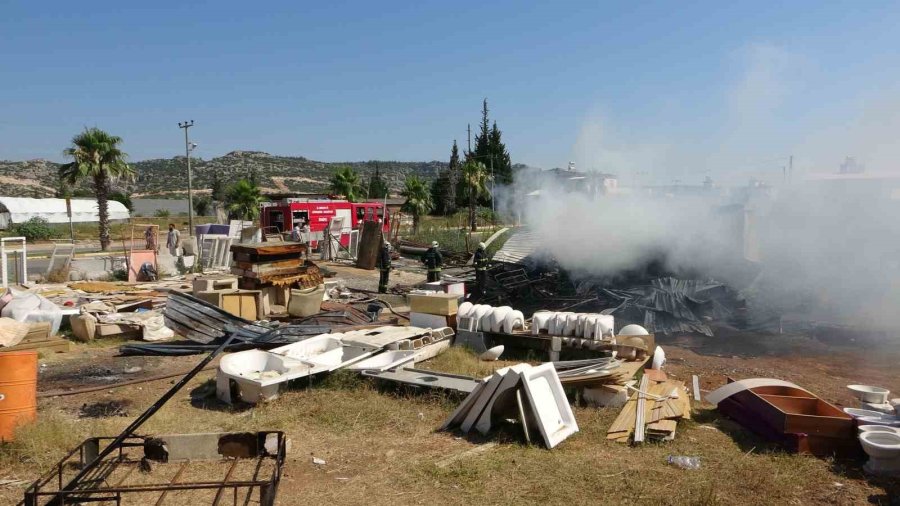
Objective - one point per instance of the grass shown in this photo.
(452, 233)
(381, 447)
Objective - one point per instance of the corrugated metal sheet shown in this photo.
(521, 245)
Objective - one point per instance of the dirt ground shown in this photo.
(380, 444)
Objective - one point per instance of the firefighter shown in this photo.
(384, 264)
(433, 261)
(481, 267)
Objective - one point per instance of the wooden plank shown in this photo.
(640, 410)
(696, 383)
(263, 249)
(55, 345)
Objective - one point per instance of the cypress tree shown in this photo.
(443, 189)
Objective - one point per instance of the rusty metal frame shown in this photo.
(51, 489)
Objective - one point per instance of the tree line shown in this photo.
(97, 158)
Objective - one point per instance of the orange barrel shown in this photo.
(18, 390)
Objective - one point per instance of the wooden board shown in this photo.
(54, 345)
(439, 304)
(256, 251)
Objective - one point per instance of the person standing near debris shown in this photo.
(296, 233)
(173, 240)
(384, 264)
(481, 262)
(150, 239)
(433, 261)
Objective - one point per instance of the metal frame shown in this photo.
(96, 487)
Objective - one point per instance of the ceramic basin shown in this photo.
(880, 445)
(870, 394)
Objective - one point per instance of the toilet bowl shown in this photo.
(541, 321)
(883, 449)
(498, 316)
(878, 428)
(514, 320)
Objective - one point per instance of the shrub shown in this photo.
(162, 213)
(35, 229)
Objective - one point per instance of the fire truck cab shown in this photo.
(283, 214)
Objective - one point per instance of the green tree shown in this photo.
(418, 199)
(242, 200)
(473, 181)
(443, 189)
(490, 150)
(253, 176)
(202, 206)
(218, 188)
(96, 156)
(378, 187)
(345, 182)
(503, 172)
(162, 213)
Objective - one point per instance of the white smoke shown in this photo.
(829, 249)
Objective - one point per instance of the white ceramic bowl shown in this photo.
(880, 445)
(633, 330)
(878, 428)
(867, 393)
(868, 417)
(492, 354)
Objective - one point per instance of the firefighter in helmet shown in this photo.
(384, 264)
(433, 261)
(481, 266)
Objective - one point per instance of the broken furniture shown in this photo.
(16, 247)
(256, 375)
(274, 268)
(244, 466)
(790, 415)
(246, 304)
(533, 396)
(652, 411)
(38, 338)
(85, 475)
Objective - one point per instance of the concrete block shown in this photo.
(613, 396)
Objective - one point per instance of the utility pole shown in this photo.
(469, 129)
(791, 169)
(187, 155)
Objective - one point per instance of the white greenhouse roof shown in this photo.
(19, 209)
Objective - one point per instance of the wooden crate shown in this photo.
(246, 304)
(440, 304)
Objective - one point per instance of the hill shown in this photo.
(168, 177)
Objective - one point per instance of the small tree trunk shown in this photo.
(101, 188)
(472, 220)
(415, 224)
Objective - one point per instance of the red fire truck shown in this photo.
(283, 214)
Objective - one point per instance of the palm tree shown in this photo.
(346, 182)
(418, 199)
(474, 178)
(96, 156)
(242, 200)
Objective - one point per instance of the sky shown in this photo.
(656, 91)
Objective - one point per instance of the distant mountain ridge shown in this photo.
(167, 177)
